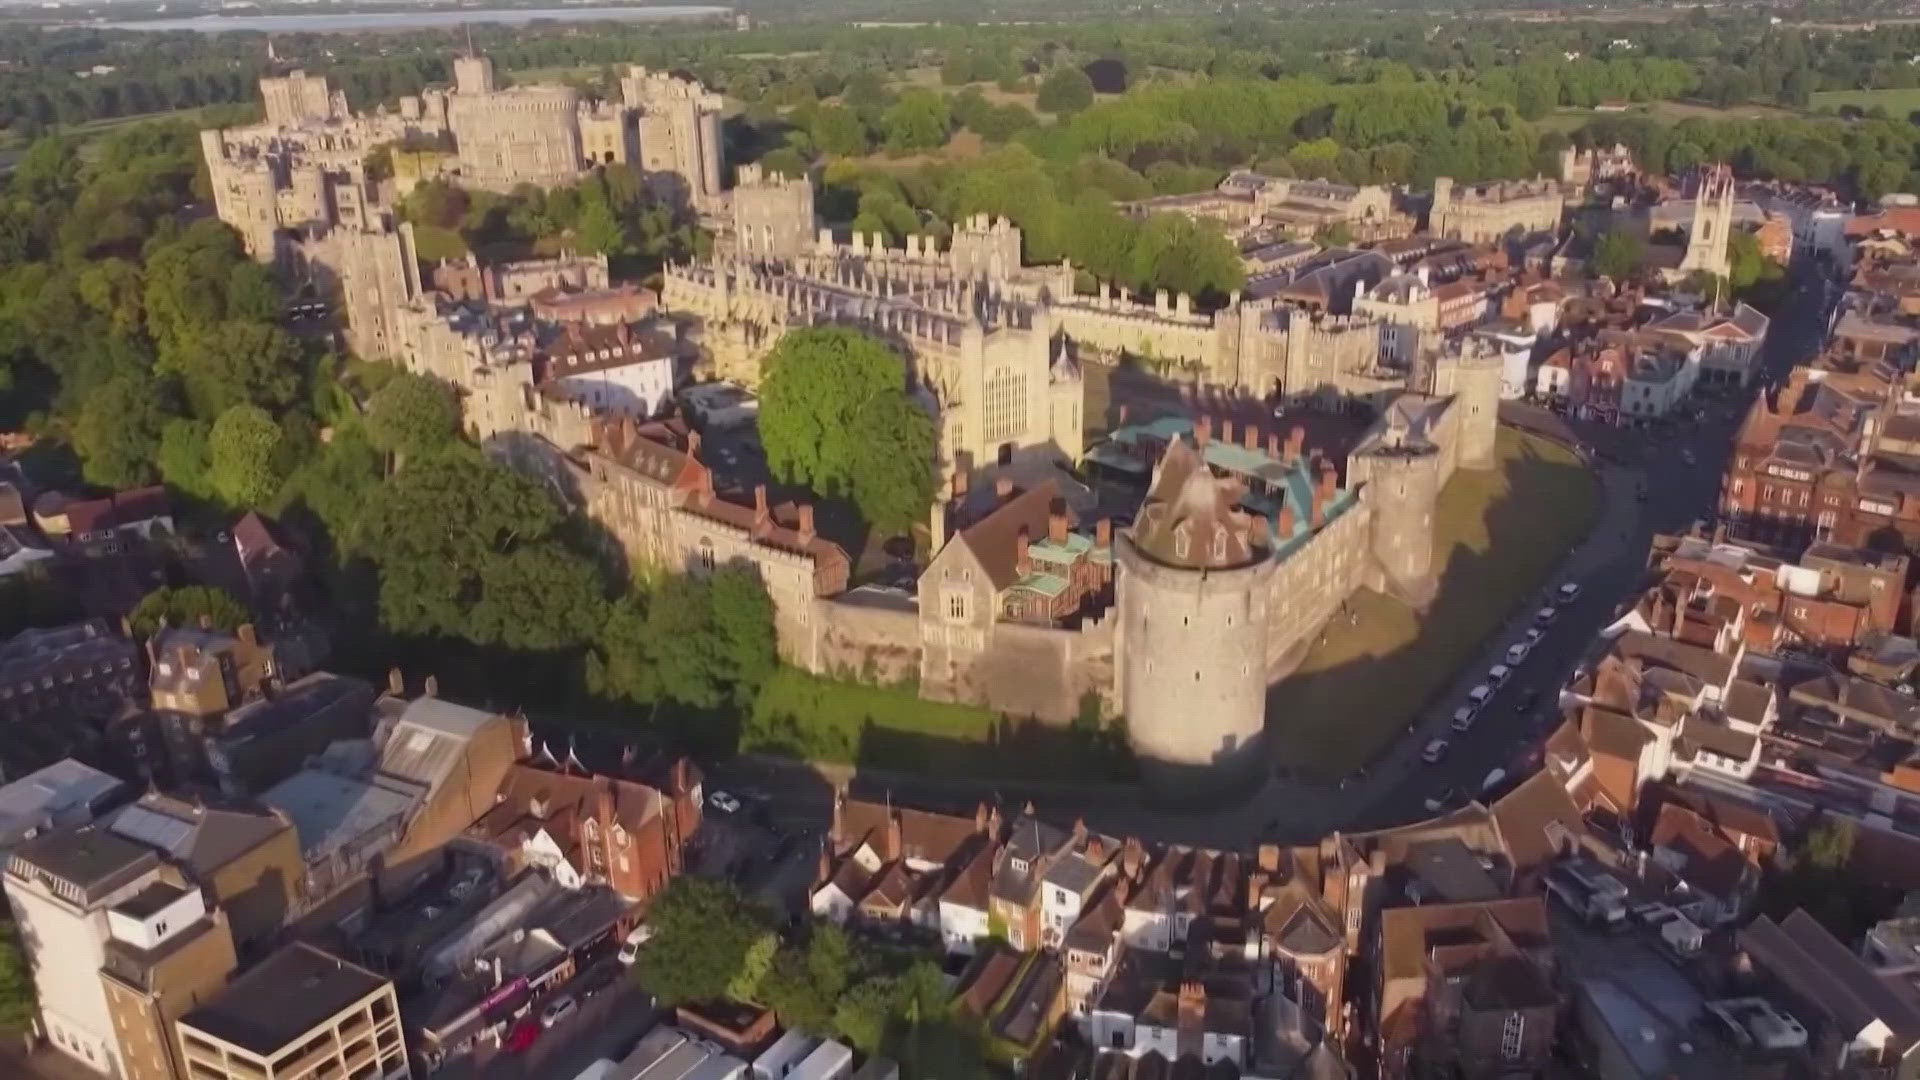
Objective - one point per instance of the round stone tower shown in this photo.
(1402, 474)
(1469, 372)
(1192, 587)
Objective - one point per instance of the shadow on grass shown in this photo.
(1501, 534)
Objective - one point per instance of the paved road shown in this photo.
(606, 1025)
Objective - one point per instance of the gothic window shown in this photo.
(1510, 1035)
(1006, 413)
(706, 554)
(956, 605)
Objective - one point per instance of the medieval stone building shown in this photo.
(1486, 213)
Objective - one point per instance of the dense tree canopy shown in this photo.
(835, 414)
(699, 641)
(412, 414)
(186, 606)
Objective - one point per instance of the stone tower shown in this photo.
(1712, 223)
(1403, 471)
(1468, 371)
(473, 74)
(1440, 214)
(985, 248)
(1192, 588)
(772, 214)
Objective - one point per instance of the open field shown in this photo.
(1669, 112)
(1500, 533)
(1896, 102)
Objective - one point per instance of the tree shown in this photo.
(241, 362)
(243, 454)
(118, 431)
(700, 641)
(919, 120)
(18, 1006)
(839, 132)
(445, 533)
(835, 415)
(412, 414)
(1066, 90)
(186, 606)
(1619, 254)
(183, 456)
(702, 934)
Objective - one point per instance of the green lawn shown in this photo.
(1500, 533)
(1896, 102)
(805, 716)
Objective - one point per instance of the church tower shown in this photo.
(1712, 223)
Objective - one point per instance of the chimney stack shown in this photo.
(1273, 445)
(959, 485)
(1286, 524)
(1226, 430)
(1057, 522)
(693, 444)
(806, 523)
(1269, 858)
(1250, 437)
(1257, 530)
(396, 683)
(1296, 442)
(432, 687)
(760, 513)
(1022, 561)
(1103, 533)
(1203, 431)
(1003, 488)
(1319, 517)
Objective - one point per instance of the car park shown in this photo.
(1517, 652)
(1442, 799)
(1497, 675)
(1463, 717)
(558, 1009)
(1433, 751)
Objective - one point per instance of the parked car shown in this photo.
(1478, 696)
(723, 802)
(1517, 652)
(558, 1009)
(1545, 617)
(1463, 718)
(1532, 637)
(1442, 799)
(1498, 674)
(1434, 751)
(1569, 592)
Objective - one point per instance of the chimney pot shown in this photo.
(1003, 488)
(1296, 441)
(1103, 533)
(1286, 526)
(396, 683)
(1250, 436)
(1226, 430)
(432, 687)
(1203, 431)
(693, 444)
(1022, 560)
(1273, 445)
(1057, 522)
(760, 512)
(806, 523)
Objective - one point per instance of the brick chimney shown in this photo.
(896, 837)
(1079, 831)
(761, 516)
(959, 485)
(1022, 560)
(1103, 533)
(432, 687)
(981, 815)
(693, 444)
(1057, 522)
(1096, 850)
(1257, 530)
(1319, 513)
(806, 523)
(1286, 523)
(1193, 1017)
(1003, 488)
(1268, 857)
(1133, 858)
(1226, 430)
(1202, 431)
(396, 682)
(1250, 437)
(1296, 442)
(1273, 445)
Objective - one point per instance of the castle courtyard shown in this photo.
(1500, 534)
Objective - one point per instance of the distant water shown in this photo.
(415, 20)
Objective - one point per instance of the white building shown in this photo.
(60, 886)
(1514, 343)
(613, 369)
(65, 794)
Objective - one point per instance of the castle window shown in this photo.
(956, 605)
(1511, 1033)
(706, 554)
(1006, 406)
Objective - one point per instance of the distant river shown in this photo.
(415, 20)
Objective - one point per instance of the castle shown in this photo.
(1486, 213)
(286, 182)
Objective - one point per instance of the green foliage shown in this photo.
(1619, 254)
(838, 131)
(18, 1007)
(186, 606)
(183, 456)
(835, 415)
(412, 414)
(245, 462)
(702, 935)
(1065, 90)
(467, 549)
(700, 641)
(241, 362)
(919, 120)
(118, 430)
(610, 212)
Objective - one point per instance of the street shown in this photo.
(606, 1025)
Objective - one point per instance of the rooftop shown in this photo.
(282, 998)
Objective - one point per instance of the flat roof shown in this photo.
(150, 900)
(330, 810)
(83, 857)
(48, 793)
(282, 998)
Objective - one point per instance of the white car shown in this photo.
(1517, 652)
(724, 802)
(1441, 799)
(1434, 751)
(1478, 696)
(1544, 617)
(1568, 593)
(558, 1009)
(1463, 717)
(1532, 637)
(630, 947)
(1497, 675)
